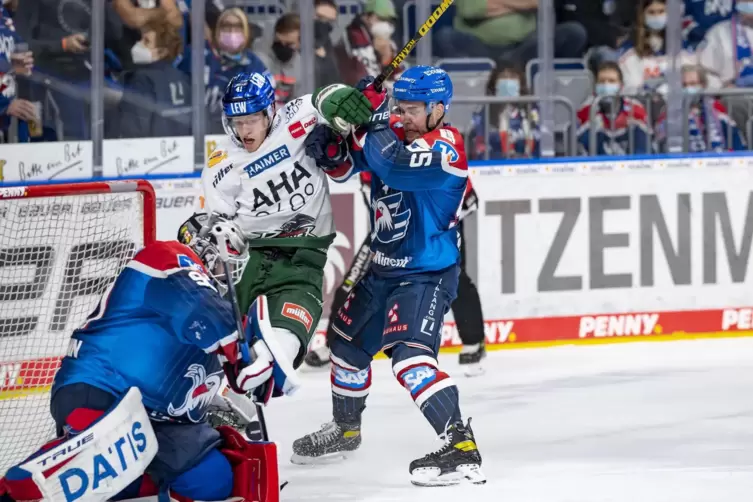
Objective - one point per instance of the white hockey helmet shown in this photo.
(215, 240)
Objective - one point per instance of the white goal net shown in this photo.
(60, 247)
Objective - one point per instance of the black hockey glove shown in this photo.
(327, 148)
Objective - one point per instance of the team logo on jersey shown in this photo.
(217, 157)
(298, 129)
(200, 394)
(184, 261)
(447, 150)
(266, 161)
(389, 221)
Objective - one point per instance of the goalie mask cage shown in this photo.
(61, 246)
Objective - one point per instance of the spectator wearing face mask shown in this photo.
(513, 128)
(644, 60)
(710, 129)
(368, 45)
(619, 123)
(283, 59)
(325, 65)
(136, 14)
(228, 54)
(157, 96)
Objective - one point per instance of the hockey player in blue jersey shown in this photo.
(133, 391)
(419, 175)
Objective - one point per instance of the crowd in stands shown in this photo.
(619, 46)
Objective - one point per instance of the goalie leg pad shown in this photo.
(254, 471)
(94, 465)
(254, 464)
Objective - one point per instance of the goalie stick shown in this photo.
(238, 324)
(243, 345)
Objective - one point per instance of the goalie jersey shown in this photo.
(416, 196)
(156, 328)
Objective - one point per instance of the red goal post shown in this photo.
(61, 246)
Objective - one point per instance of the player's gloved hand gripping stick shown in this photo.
(347, 110)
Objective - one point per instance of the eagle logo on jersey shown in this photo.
(389, 223)
(202, 391)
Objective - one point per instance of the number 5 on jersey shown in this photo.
(420, 159)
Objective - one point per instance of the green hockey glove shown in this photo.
(339, 103)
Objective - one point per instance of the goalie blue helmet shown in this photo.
(246, 94)
(426, 84)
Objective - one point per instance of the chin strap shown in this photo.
(439, 120)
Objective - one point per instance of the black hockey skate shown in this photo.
(457, 461)
(317, 358)
(470, 359)
(332, 442)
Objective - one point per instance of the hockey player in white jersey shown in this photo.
(261, 178)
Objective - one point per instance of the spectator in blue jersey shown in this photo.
(727, 56)
(701, 15)
(710, 129)
(644, 60)
(228, 54)
(611, 124)
(13, 63)
(157, 97)
(513, 128)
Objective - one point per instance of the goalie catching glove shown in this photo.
(269, 370)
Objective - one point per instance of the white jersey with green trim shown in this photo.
(277, 192)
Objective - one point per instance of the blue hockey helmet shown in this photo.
(426, 84)
(246, 94)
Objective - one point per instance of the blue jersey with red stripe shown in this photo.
(156, 328)
(416, 193)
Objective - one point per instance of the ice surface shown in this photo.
(639, 422)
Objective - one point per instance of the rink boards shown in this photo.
(563, 252)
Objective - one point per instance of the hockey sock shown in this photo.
(350, 388)
(432, 390)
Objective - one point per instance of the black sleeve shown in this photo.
(26, 21)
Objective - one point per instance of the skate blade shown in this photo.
(473, 370)
(430, 476)
(329, 458)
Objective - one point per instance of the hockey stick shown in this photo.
(242, 343)
(339, 124)
(405, 51)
